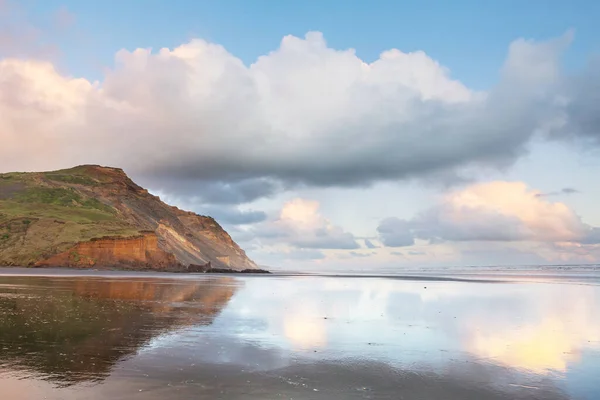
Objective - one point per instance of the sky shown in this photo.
(326, 135)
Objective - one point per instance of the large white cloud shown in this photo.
(196, 116)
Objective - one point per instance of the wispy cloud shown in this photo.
(565, 191)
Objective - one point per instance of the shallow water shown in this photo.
(153, 336)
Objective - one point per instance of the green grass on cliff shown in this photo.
(45, 213)
(12, 209)
(64, 197)
(73, 179)
(45, 195)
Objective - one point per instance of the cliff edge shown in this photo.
(96, 217)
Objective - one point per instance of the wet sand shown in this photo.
(420, 336)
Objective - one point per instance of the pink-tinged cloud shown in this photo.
(300, 225)
(536, 218)
(492, 211)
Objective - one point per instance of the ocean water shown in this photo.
(491, 333)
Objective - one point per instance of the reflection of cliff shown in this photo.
(78, 329)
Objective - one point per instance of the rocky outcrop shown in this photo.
(208, 269)
(199, 268)
(96, 217)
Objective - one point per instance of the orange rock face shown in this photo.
(137, 252)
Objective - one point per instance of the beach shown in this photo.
(435, 335)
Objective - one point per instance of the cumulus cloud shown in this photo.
(300, 225)
(302, 114)
(493, 211)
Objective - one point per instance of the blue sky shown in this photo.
(458, 133)
(469, 37)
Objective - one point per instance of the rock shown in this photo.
(199, 268)
(255, 271)
(208, 269)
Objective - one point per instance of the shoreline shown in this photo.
(462, 276)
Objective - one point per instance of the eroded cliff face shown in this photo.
(93, 216)
(140, 252)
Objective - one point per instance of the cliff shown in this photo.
(97, 217)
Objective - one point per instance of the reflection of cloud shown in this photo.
(374, 293)
(357, 301)
(304, 331)
(303, 323)
(537, 348)
(532, 327)
(550, 344)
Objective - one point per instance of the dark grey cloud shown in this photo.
(233, 216)
(482, 225)
(370, 245)
(582, 109)
(435, 227)
(214, 192)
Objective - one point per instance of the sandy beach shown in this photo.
(427, 336)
